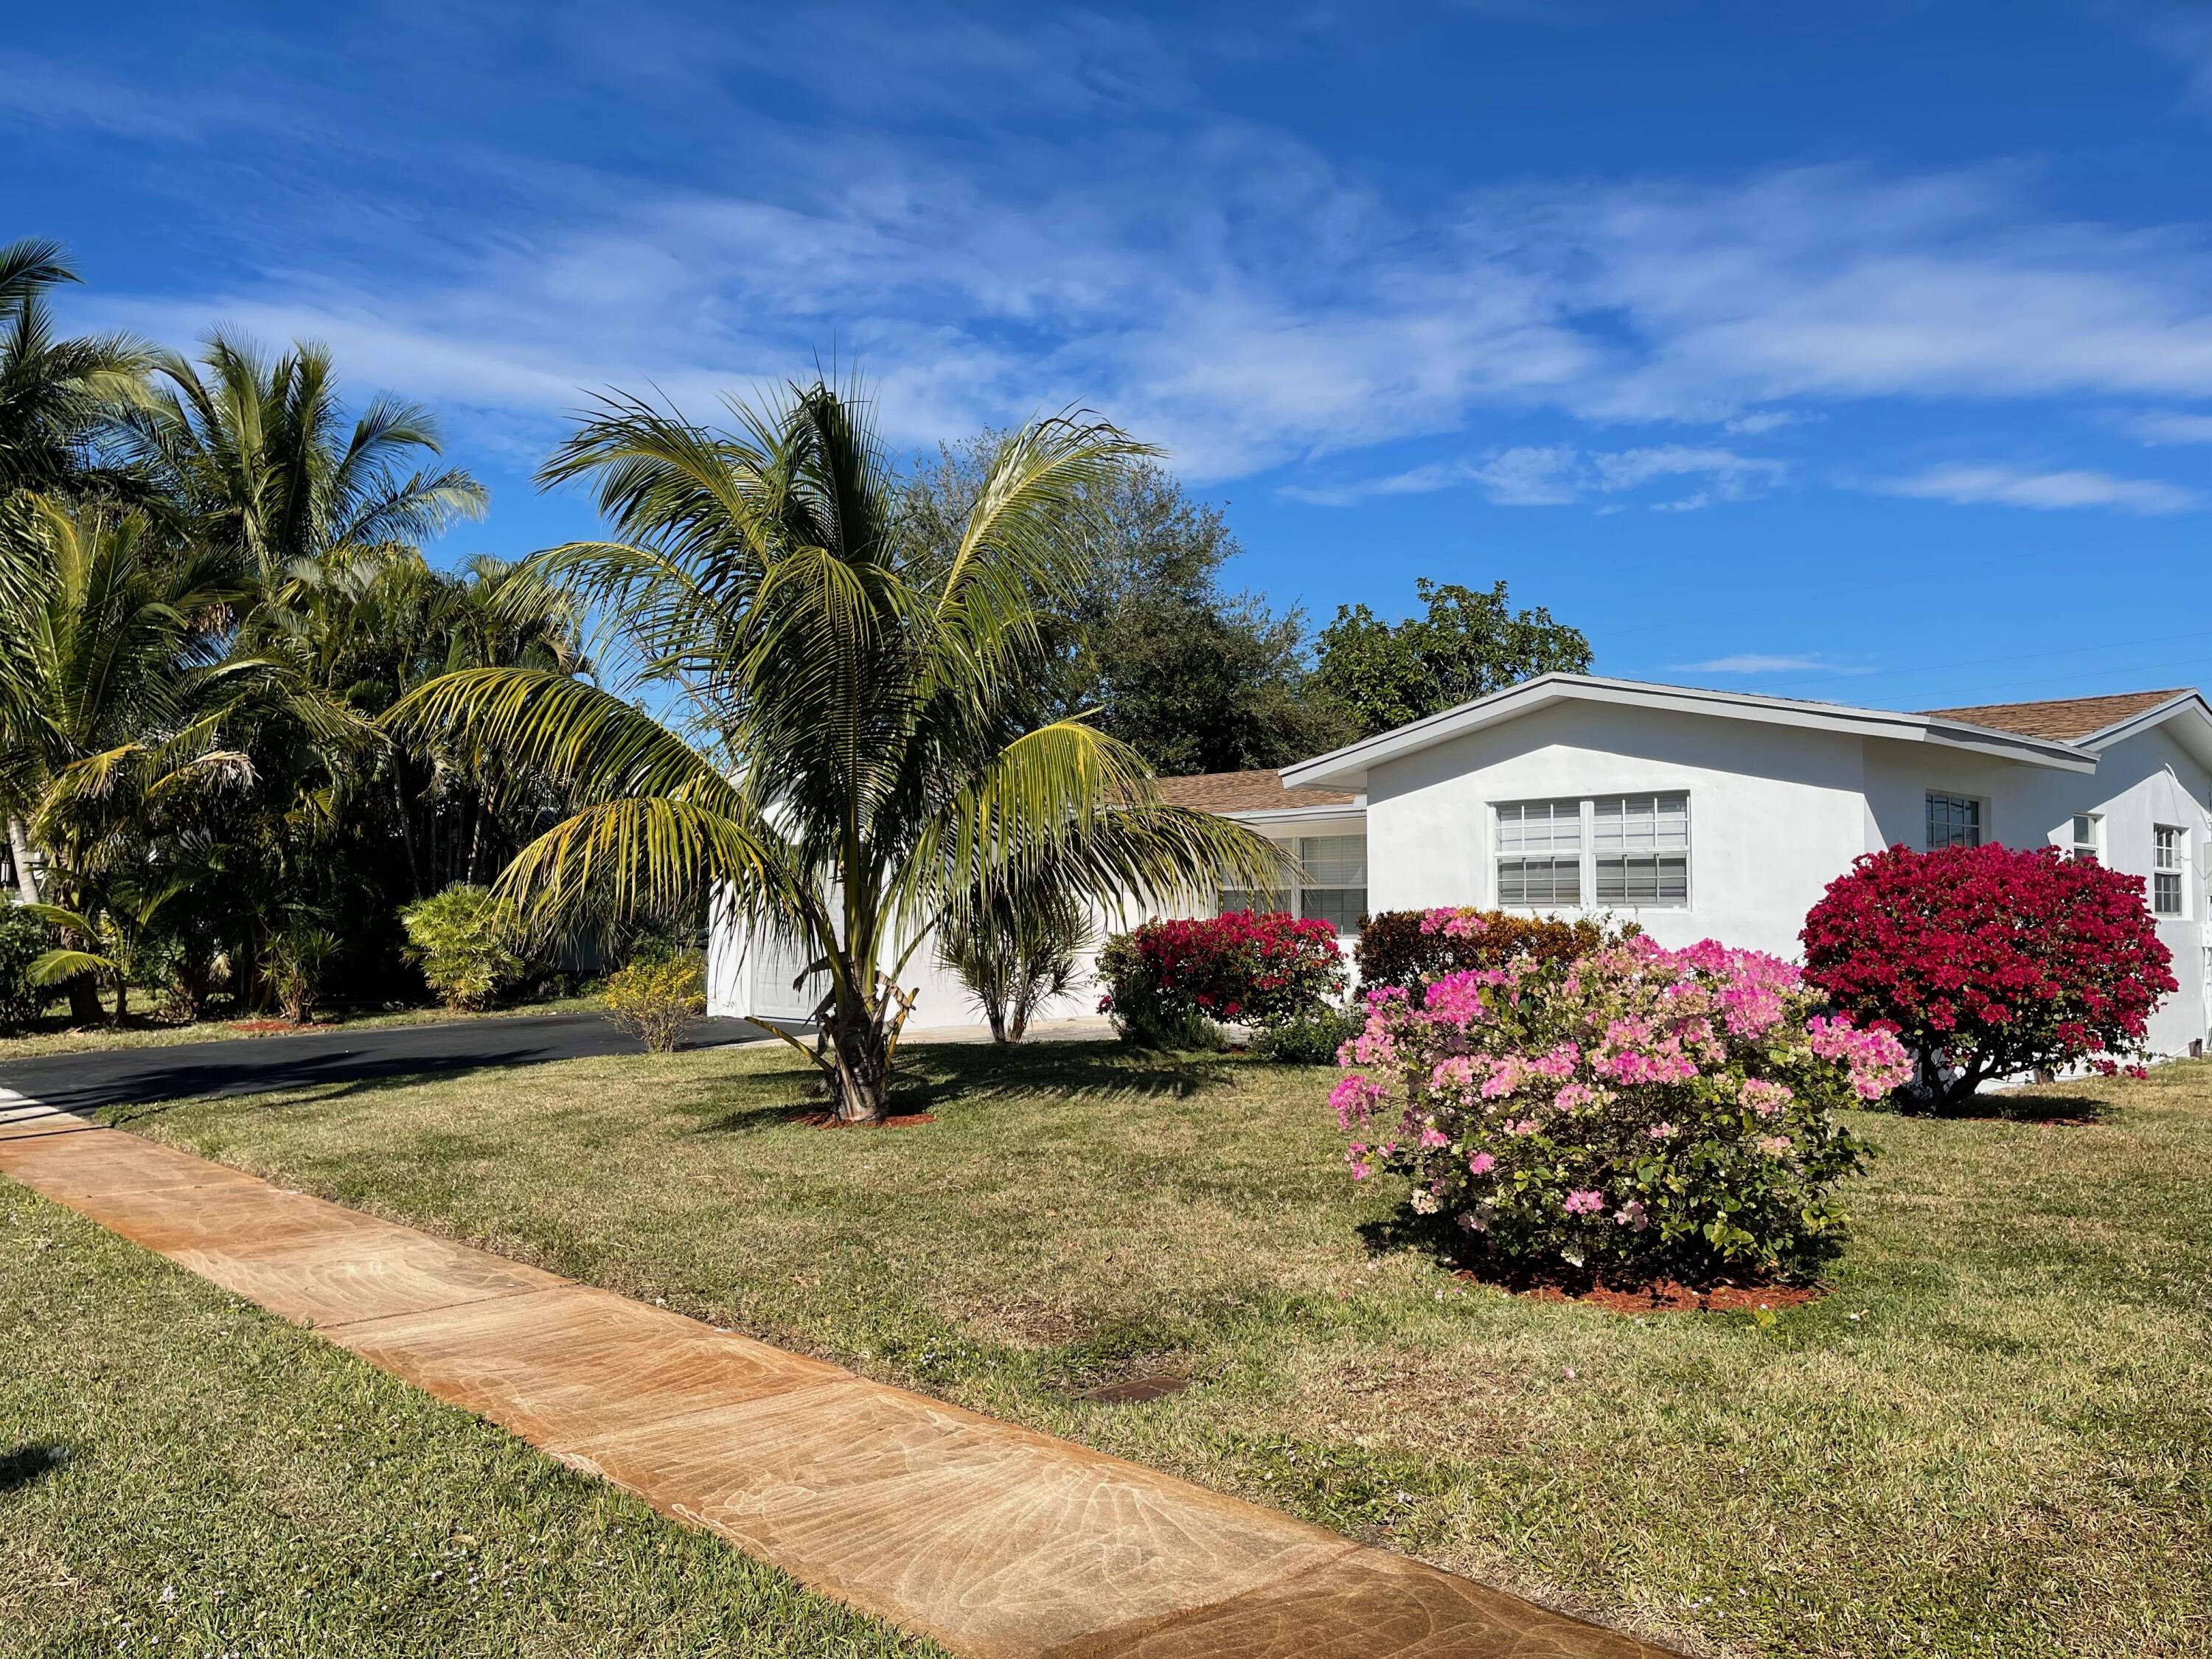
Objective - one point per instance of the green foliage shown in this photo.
(1193, 678)
(1408, 948)
(1309, 1039)
(23, 940)
(300, 961)
(1468, 646)
(864, 743)
(655, 998)
(1168, 983)
(465, 941)
(1014, 954)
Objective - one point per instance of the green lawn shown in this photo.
(230, 1485)
(52, 1034)
(1994, 1437)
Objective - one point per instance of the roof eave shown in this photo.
(1347, 768)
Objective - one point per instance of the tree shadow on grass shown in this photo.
(928, 1078)
(27, 1465)
(2027, 1106)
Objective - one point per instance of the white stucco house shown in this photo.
(1702, 814)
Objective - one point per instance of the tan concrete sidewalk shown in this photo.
(993, 1540)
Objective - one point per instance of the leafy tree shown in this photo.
(465, 939)
(853, 745)
(1990, 962)
(1194, 678)
(1470, 644)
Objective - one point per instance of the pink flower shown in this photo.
(1766, 1098)
(1481, 1163)
(1774, 1145)
(1630, 1214)
(1661, 1132)
(1432, 1137)
(1527, 1126)
(1584, 1200)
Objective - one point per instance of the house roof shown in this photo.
(1259, 791)
(1347, 768)
(2067, 718)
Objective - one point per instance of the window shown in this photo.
(1334, 890)
(2088, 843)
(1336, 878)
(1540, 853)
(1640, 848)
(1954, 821)
(1617, 852)
(2166, 857)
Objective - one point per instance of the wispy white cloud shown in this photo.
(1558, 475)
(2006, 486)
(1215, 284)
(2168, 426)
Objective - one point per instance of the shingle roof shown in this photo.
(2065, 719)
(1246, 791)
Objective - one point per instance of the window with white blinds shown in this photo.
(1612, 852)
(1333, 889)
(2167, 858)
(1540, 853)
(1640, 847)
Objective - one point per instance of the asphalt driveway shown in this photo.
(246, 1065)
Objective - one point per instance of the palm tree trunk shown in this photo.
(861, 1083)
(19, 850)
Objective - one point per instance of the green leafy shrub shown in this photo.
(1409, 948)
(1168, 983)
(23, 940)
(1311, 1039)
(655, 1000)
(467, 943)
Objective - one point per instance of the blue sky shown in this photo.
(1860, 352)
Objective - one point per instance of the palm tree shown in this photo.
(255, 450)
(55, 397)
(116, 696)
(848, 740)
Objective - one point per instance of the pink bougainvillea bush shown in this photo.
(1990, 961)
(1637, 1112)
(1168, 983)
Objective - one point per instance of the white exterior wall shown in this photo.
(1776, 812)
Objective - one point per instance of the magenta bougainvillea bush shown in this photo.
(1167, 980)
(1990, 961)
(1635, 1112)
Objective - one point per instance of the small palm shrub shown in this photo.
(656, 997)
(1014, 955)
(466, 942)
(1311, 1039)
(1169, 982)
(1409, 948)
(1634, 1111)
(299, 961)
(23, 940)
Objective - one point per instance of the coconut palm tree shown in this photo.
(838, 723)
(56, 395)
(255, 450)
(117, 694)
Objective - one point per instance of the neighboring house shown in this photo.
(1703, 814)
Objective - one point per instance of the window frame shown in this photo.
(2093, 849)
(1291, 901)
(1980, 815)
(1585, 855)
(2177, 871)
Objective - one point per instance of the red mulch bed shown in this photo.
(831, 1121)
(1661, 1296)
